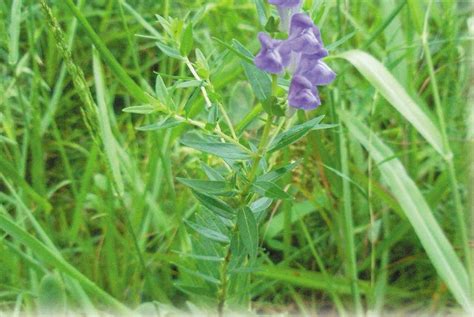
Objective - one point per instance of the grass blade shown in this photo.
(108, 140)
(376, 73)
(110, 60)
(14, 32)
(431, 236)
(43, 252)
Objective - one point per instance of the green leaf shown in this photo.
(14, 31)
(215, 205)
(417, 211)
(108, 139)
(277, 173)
(160, 90)
(248, 230)
(51, 295)
(166, 123)
(270, 190)
(171, 52)
(208, 233)
(109, 59)
(187, 41)
(376, 73)
(212, 173)
(207, 187)
(260, 6)
(297, 132)
(54, 258)
(214, 146)
(259, 80)
(143, 109)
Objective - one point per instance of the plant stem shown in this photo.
(222, 295)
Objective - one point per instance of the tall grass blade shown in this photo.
(50, 256)
(108, 140)
(376, 73)
(14, 32)
(110, 60)
(417, 211)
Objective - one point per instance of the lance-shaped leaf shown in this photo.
(214, 146)
(248, 230)
(297, 132)
(417, 211)
(270, 190)
(207, 187)
(376, 73)
(215, 205)
(208, 233)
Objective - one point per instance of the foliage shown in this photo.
(147, 166)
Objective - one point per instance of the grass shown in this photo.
(94, 211)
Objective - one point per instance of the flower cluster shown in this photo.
(301, 53)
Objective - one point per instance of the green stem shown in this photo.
(222, 295)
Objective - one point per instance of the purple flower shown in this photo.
(303, 94)
(274, 55)
(286, 9)
(315, 70)
(304, 36)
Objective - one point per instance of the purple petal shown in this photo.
(274, 55)
(302, 94)
(304, 36)
(315, 70)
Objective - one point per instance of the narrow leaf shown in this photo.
(215, 205)
(295, 133)
(207, 187)
(214, 146)
(270, 190)
(208, 233)
(376, 73)
(248, 230)
(166, 123)
(417, 211)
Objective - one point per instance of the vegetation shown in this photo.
(148, 167)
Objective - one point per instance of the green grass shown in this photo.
(97, 99)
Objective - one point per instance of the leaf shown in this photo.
(259, 80)
(376, 73)
(169, 51)
(417, 211)
(277, 173)
(187, 41)
(269, 189)
(143, 109)
(160, 90)
(207, 187)
(166, 123)
(54, 258)
(51, 295)
(295, 133)
(318, 281)
(14, 31)
(248, 230)
(208, 233)
(214, 146)
(215, 205)
(108, 139)
(212, 173)
(260, 206)
(260, 6)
